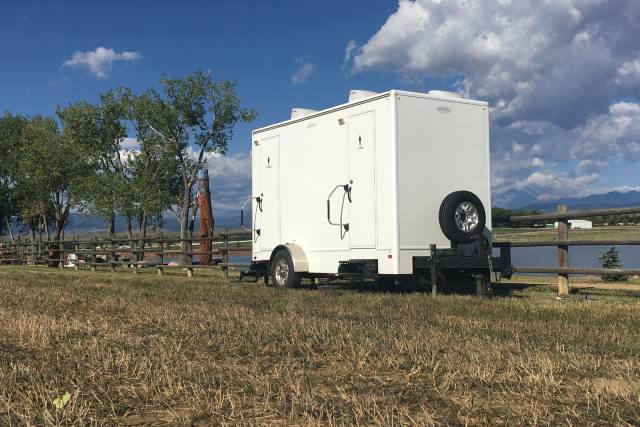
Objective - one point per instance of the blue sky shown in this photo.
(563, 78)
(259, 44)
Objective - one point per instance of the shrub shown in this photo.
(611, 259)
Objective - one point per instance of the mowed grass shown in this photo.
(170, 350)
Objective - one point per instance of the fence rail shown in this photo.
(147, 252)
(563, 215)
(118, 252)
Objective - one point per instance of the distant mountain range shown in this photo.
(86, 223)
(512, 199)
(522, 200)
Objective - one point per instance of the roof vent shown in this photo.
(357, 94)
(297, 113)
(444, 94)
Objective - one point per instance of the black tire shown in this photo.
(447, 217)
(281, 270)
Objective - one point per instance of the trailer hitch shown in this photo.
(344, 227)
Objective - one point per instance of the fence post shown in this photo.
(95, 253)
(76, 248)
(39, 248)
(134, 256)
(434, 270)
(33, 250)
(61, 252)
(225, 255)
(18, 252)
(114, 256)
(563, 251)
(160, 269)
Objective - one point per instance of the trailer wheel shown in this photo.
(462, 216)
(282, 272)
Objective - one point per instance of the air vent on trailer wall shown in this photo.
(357, 94)
(444, 94)
(296, 113)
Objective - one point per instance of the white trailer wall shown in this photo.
(296, 165)
(443, 146)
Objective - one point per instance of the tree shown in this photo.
(11, 127)
(7, 209)
(154, 183)
(102, 129)
(192, 116)
(50, 165)
(611, 259)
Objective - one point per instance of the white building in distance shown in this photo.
(577, 224)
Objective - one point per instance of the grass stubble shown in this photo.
(169, 350)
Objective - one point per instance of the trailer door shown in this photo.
(268, 219)
(362, 212)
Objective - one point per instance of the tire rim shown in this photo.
(282, 272)
(466, 217)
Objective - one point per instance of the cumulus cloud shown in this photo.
(230, 177)
(303, 73)
(130, 144)
(553, 72)
(100, 61)
(351, 48)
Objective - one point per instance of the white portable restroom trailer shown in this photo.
(389, 185)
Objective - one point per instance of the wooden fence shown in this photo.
(124, 252)
(156, 252)
(562, 269)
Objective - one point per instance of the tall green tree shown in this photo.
(192, 116)
(50, 166)
(11, 128)
(102, 130)
(154, 183)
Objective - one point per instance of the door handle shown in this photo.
(344, 227)
(258, 204)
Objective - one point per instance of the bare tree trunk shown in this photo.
(112, 226)
(129, 228)
(130, 237)
(142, 234)
(194, 213)
(185, 246)
(10, 230)
(54, 248)
(46, 226)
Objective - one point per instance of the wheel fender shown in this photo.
(299, 258)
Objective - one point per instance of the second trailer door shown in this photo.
(362, 210)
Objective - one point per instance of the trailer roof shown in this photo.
(365, 100)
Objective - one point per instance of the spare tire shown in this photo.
(462, 217)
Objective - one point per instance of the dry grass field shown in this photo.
(140, 350)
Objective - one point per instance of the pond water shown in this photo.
(579, 256)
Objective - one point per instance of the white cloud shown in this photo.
(304, 71)
(100, 61)
(130, 144)
(554, 73)
(350, 50)
(629, 72)
(230, 178)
